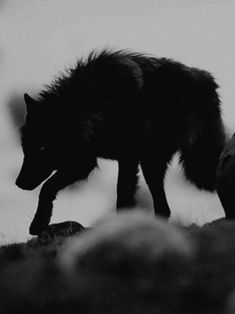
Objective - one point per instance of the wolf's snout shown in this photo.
(22, 184)
(18, 182)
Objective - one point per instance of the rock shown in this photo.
(60, 231)
(130, 263)
(225, 178)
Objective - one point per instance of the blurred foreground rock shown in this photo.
(130, 263)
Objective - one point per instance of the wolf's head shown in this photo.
(38, 161)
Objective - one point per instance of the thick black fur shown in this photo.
(128, 107)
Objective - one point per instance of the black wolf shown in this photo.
(125, 106)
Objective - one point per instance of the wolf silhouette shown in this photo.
(124, 106)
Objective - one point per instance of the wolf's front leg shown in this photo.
(127, 182)
(50, 188)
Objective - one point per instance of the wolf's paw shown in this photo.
(37, 227)
(40, 222)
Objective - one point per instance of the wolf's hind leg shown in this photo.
(127, 182)
(154, 165)
(49, 190)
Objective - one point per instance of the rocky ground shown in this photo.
(130, 263)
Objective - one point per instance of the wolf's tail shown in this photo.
(201, 150)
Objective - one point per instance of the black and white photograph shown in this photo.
(117, 163)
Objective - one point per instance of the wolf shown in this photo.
(125, 106)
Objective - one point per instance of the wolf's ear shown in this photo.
(30, 103)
